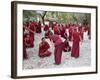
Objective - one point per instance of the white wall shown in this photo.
(5, 40)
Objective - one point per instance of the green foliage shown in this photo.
(28, 13)
(61, 17)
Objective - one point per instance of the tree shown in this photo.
(42, 15)
(27, 14)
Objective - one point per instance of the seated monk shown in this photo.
(29, 41)
(43, 49)
(67, 47)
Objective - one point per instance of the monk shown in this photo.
(28, 41)
(62, 30)
(32, 29)
(25, 56)
(47, 33)
(67, 47)
(46, 28)
(81, 32)
(51, 25)
(76, 44)
(58, 47)
(70, 33)
(56, 30)
(39, 27)
(43, 49)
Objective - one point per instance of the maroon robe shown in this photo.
(25, 56)
(32, 27)
(43, 49)
(81, 32)
(67, 47)
(70, 33)
(29, 42)
(58, 48)
(39, 27)
(51, 25)
(62, 31)
(47, 33)
(27, 24)
(56, 30)
(46, 28)
(76, 45)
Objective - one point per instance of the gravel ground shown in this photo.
(34, 61)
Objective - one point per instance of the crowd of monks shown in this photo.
(54, 32)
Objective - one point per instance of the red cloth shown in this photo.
(56, 30)
(47, 34)
(25, 56)
(46, 28)
(75, 46)
(43, 49)
(24, 48)
(39, 27)
(32, 27)
(58, 53)
(51, 24)
(62, 31)
(29, 42)
(70, 33)
(56, 39)
(81, 32)
(27, 24)
(58, 48)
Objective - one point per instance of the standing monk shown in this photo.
(39, 27)
(70, 33)
(25, 56)
(58, 47)
(81, 32)
(56, 30)
(32, 29)
(76, 44)
(62, 30)
(43, 49)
